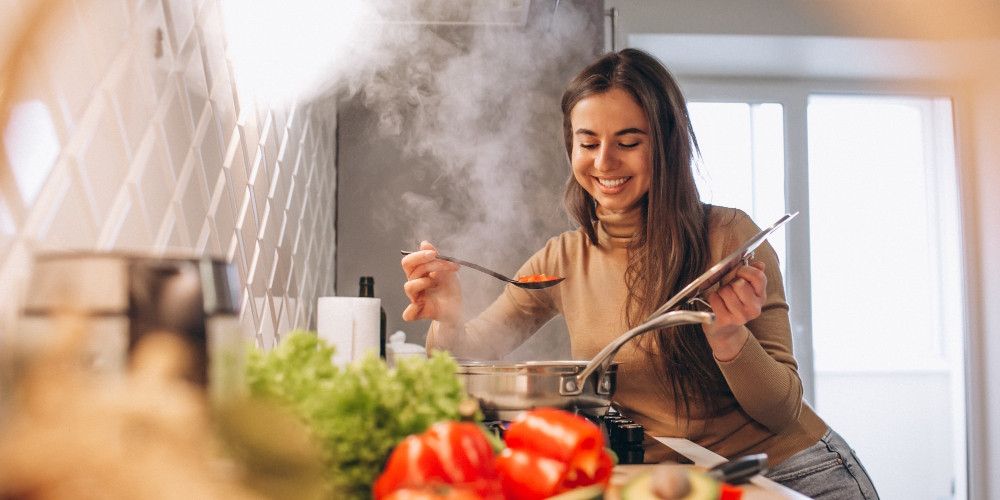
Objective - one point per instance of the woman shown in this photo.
(730, 386)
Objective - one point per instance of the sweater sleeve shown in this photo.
(764, 375)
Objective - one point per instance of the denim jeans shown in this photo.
(827, 470)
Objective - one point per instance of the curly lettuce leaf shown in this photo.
(357, 413)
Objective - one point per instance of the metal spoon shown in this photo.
(531, 285)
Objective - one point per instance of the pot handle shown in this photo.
(572, 385)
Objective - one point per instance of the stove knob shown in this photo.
(630, 433)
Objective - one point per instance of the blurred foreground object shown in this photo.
(125, 297)
(73, 433)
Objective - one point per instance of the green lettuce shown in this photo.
(357, 413)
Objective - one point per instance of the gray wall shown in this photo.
(460, 144)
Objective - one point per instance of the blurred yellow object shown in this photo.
(73, 433)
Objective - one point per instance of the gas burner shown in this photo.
(623, 435)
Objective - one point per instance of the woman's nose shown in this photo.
(604, 160)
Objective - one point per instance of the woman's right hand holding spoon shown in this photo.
(433, 288)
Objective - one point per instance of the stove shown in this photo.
(623, 435)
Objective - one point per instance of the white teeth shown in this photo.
(613, 182)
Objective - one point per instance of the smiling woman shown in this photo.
(730, 385)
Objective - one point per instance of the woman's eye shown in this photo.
(589, 146)
(629, 146)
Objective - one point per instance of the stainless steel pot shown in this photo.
(507, 389)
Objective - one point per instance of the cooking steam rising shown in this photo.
(472, 109)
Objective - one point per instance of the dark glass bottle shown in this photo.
(368, 290)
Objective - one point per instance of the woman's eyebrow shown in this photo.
(632, 130)
(627, 131)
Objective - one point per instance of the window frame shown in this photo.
(793, 95)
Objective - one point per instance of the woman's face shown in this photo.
(611, 154)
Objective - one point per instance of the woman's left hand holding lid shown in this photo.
(734, 304)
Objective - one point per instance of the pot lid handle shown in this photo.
(573, 385)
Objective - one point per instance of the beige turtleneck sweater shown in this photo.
(770, 416)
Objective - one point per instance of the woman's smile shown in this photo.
(612, 185)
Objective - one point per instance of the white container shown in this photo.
(397, 348)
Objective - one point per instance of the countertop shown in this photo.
(759, 487)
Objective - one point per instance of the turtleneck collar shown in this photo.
(616, 229)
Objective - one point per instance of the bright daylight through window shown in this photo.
(884, 266)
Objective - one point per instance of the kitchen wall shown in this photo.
(127, 132)
(464, 150)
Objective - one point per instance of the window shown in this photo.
(886, 284)
(742, 144)
(879, 331)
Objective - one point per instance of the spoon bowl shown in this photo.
(529, 285)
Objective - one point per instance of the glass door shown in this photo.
(883, 358)
(886, 287)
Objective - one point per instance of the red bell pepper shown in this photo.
(432, 493)
(551, 451)
(448, 456)
(525, 474)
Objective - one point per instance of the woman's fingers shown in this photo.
(431, 285)
(414, 288)
(412, 311)
(741, 299)
(424, 262)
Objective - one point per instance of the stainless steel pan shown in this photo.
(506, 389)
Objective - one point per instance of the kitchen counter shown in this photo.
(759, 488)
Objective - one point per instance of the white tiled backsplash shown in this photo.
(126, 133)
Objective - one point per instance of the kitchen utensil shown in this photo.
(740, 470)
(531, 285)
(506, 389)
(722, 268)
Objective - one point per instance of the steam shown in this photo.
(474, 108)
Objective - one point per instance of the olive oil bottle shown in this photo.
(367, 289)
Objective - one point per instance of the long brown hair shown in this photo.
(670, 248)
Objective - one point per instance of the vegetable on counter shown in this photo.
(551, 451)
(449, 460)
(357, 413)
(678, 482)
(536, 278)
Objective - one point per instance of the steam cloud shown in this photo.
(480, 105)
(475, 111)
(473, 108)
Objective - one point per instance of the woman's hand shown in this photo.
(734, 304)
(433, 288)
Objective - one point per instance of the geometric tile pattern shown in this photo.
(123, 131)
